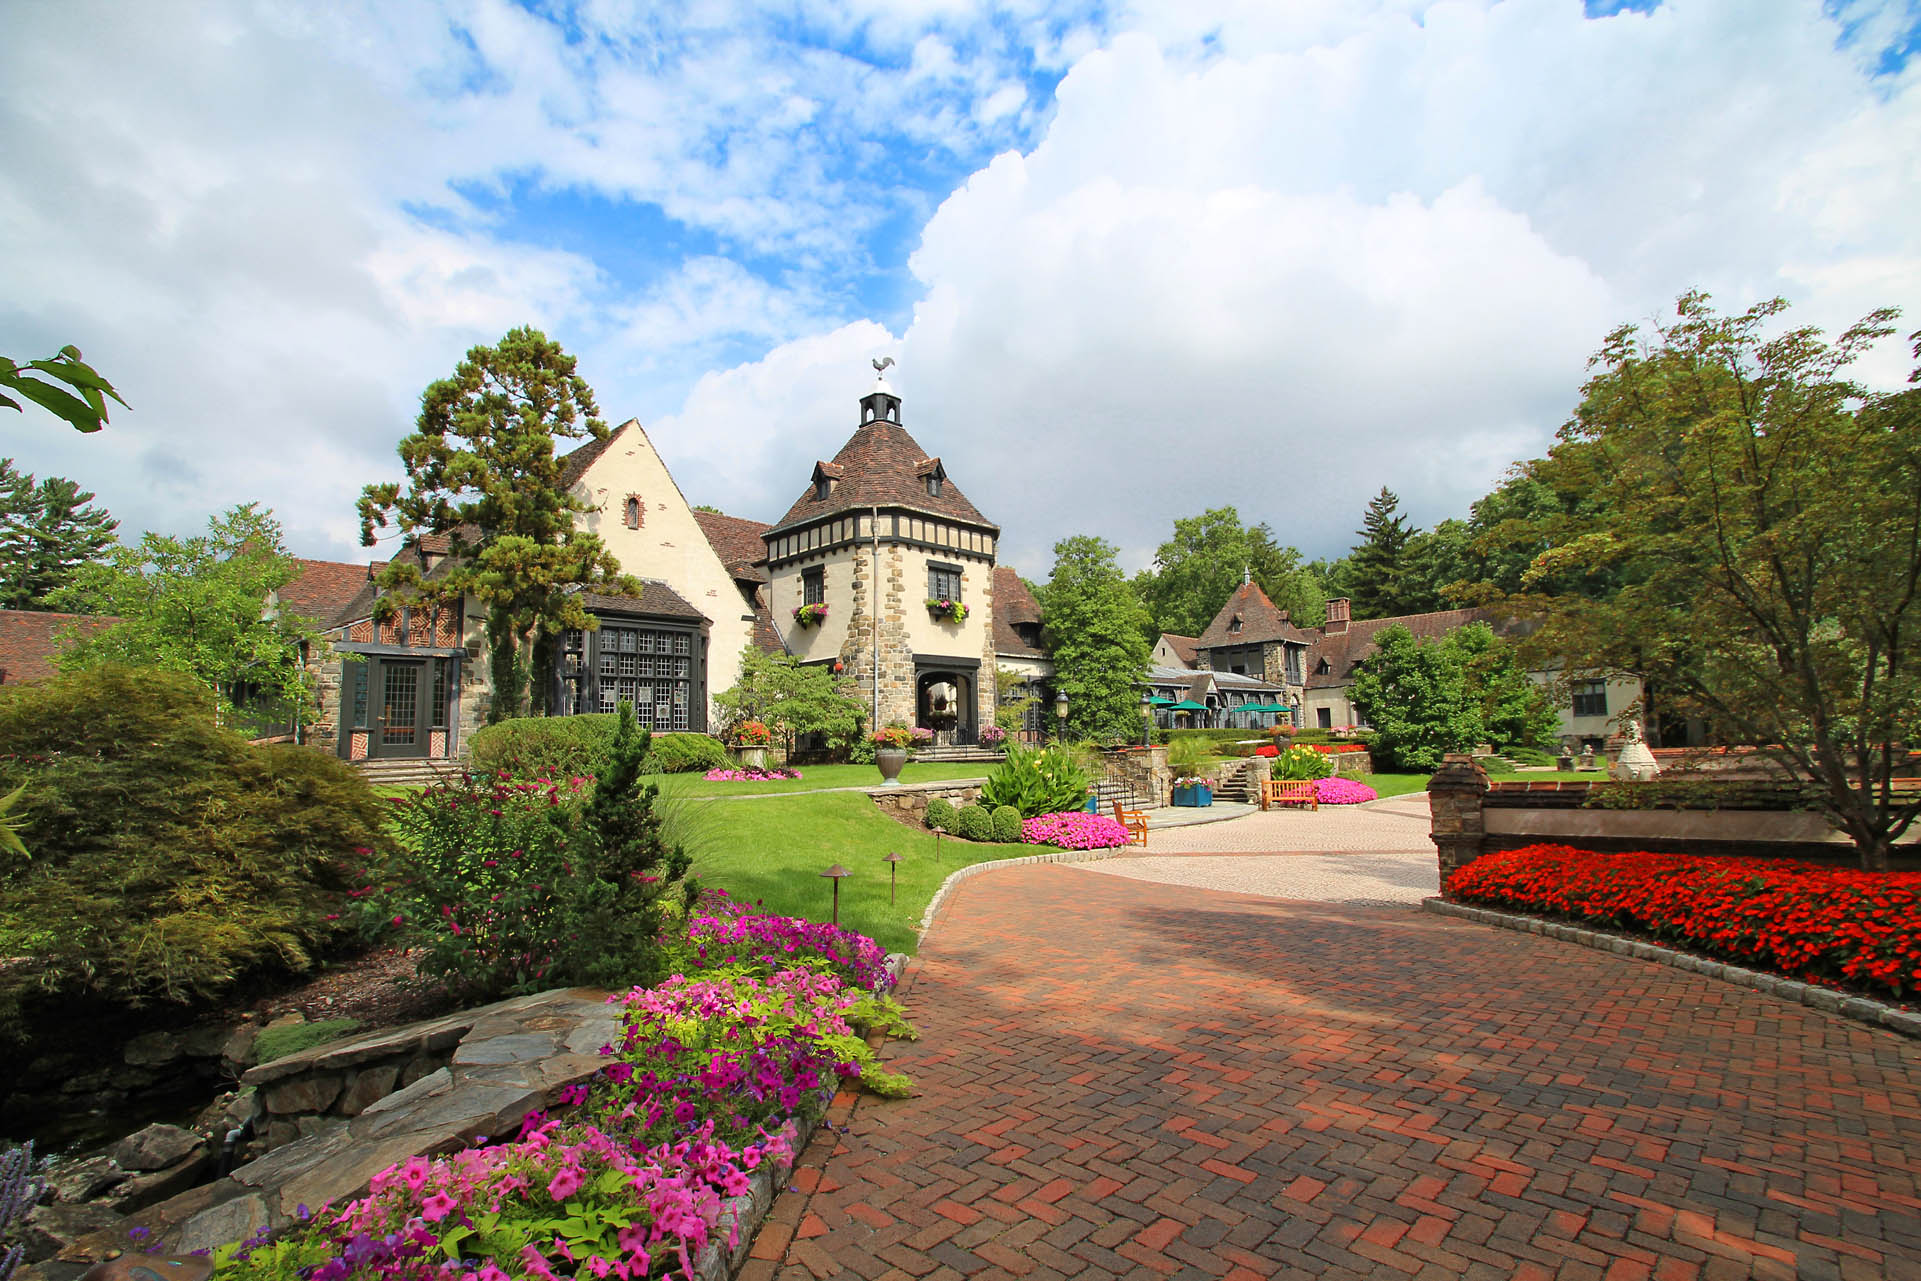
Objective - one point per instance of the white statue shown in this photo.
(1636, 764)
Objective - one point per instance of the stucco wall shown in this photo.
(668, 546)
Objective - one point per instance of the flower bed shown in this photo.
(749, 775)
(711, 1072)
(1335, 749)
(1807, 922)
(1074, 830)
(1342, 791)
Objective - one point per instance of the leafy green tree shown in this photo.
(1425, 699)
(1094, 631)
(85, 406)
(48, 530)
(481, 471)
(1012, 697)
(1755, 519)
(1197, 569)
(791, 699)
(198, 606)
(1375, 561)
(1433, 562)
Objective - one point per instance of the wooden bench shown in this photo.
(1286, 791)
(1135, 821)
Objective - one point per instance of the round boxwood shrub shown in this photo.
(569, 746)
(940, 814)
(169, 858)
(973, 823)
(1006, 825)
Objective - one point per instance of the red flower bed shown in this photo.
(1810, 923)
(1334, 749)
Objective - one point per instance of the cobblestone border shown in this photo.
(1864, 1009)
(975, 869)
(743, 1214)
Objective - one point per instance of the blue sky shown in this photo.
(1134, 259)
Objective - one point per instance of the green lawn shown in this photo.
(1402, 784)
(815, 777)
(775, 851)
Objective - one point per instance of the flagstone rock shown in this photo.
(154, 1148)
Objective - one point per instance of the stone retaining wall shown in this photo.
(909, 800)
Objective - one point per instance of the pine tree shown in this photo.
(48, 530)
(481, 470)
(1374, 564)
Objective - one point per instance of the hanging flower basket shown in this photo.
(809, 615)
(947, 611)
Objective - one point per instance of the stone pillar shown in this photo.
(1454, 796)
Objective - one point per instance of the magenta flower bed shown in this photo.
(749, 775)
(1342, 791)
(1074, 830)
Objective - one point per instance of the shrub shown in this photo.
(1035, 782)
(1006, 825)
(1527, 756)
(1808, 922)
(1188, 756)
(973, 823)
(1302, 763)
(278, 1042)
(1075, 830)
(940, 814)
(518, 886)
(169, 857)
(571, 746)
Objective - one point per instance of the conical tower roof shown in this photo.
(881, 465)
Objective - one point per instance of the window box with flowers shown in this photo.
(946, 611)
(1193, 791)
(809, 615)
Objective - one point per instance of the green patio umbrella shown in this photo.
(1187, 705)
(1160, 702)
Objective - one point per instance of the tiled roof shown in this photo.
(1260, 620)
(573, 466)
(29, 641)
(322, 588)
(767, 638)
(655, 598)
(737, 542)
(1186, 648)
(1344, 650)
(1013, 604)
(882, 465)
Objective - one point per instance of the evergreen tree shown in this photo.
(1094, 630)
(1431, 566)
(48, 530)
(1376, 560)
(481, 470)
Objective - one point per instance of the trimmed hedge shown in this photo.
(1006, 825)
(569, 746)
(940, 814)
(974, 823)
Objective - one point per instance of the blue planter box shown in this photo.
(1093, 804)
(1194, 797)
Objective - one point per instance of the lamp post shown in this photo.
(893, 866)
(834, 874)
(1147, 716)
(1060, 717)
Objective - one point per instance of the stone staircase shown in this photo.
(1236, 782)
(409, 773)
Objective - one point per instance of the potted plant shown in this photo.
(890, 751)
(750, 743)
(1193, 791)
(809, 615)
(947, 611)
(992, 736)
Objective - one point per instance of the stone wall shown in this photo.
(1736, 817)
(1144, 769)
(909, 800)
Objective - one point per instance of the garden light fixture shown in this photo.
(893, 869)
(1060, 715)
(834, 874)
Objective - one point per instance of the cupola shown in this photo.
(880, 405)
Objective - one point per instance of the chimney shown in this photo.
(1336, 616)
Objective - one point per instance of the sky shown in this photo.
(1134, 260)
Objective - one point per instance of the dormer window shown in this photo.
(632, 516)
(1234, 624)
(822, 488)
(933, 485)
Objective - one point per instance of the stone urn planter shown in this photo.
(750, 757)
(890, 760)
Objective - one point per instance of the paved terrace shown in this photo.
(1123, 1076)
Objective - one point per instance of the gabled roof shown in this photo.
(1346, 650)
(655, 598)
(29, 641)
(881, 465)
(1186, 648)
(737, 542)
(1260, 620)
(320, 589)
(573, 466)
(1013, 605)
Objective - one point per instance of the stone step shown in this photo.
(405, 772)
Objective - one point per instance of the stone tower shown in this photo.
(857, 568)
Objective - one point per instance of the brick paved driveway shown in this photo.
(1121, 1078)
